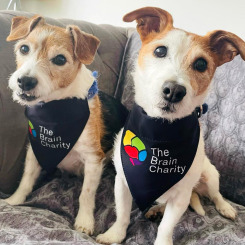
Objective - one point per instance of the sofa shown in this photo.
(47, 216)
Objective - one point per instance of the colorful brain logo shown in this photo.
(32, 130)
(135, 148)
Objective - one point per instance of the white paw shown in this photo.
(201, 212)
(163, 241)
(225, 209)
(85, 224)
(196, 204)
(198, 209)
(115, 234)
(14, 200)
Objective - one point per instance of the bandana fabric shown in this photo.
(54, 128)
(156, 154)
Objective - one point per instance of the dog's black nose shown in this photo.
(27, 83)
(173, 92)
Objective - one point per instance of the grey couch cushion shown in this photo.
(13, 127)
(224, 124)
(125, 87)
(12, 123)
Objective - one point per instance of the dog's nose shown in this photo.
(27, 83)
(173, 92)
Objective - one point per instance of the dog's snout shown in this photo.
(173, 92)
(27, 83)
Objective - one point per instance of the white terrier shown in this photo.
(51, 67)
(172, 77)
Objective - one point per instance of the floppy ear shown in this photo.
(22, 26)
(226, 46)
(150, 20)
(85, 45)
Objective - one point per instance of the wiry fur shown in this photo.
(151, 73)
(54, 83)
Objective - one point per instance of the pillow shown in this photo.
(223, 124)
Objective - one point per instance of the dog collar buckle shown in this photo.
(201, 110)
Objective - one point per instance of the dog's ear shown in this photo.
(85, 45)
(22, 26)
(150, 21)
(226, 46)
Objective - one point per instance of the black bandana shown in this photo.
(54, 128)
(156, 154)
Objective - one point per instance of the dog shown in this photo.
(172, 75)
(51, 67)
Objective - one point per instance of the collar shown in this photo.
(94, 88)
(201, 110)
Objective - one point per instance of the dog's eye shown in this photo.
(24, 49)
(59, 60)
(200, 65)
(160, 51)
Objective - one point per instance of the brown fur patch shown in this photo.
(199, 49)
(95, 128)
(85, 45)
(148, 47)
(60, 41)
(226, 46)
(22, 26)
(217, 48)
(150, 21)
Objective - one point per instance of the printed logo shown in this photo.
(135, 148)
(32, 130)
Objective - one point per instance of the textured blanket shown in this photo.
(47, 217)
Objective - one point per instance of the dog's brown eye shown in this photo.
(161, 51)
(200, 65)
(24, 49)
(59, 60)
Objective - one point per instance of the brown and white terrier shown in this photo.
(171, 57)
(53, 59)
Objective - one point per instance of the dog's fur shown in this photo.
(55, 82)
(155, 27)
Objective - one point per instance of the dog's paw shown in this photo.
(196, 205)
(13, 200)
(199, 210)
(160, 241)
(156, 212)
(85, 224)
(114, 235)
(225, 209)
